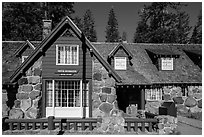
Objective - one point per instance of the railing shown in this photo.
(141, 124)
(50, 123)
(75, 124)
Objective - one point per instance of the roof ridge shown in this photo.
(53, 36)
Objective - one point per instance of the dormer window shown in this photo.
(120, 57)
(67, 54)
(167, 64)
(162, 59)
(120, 63)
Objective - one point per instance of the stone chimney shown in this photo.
(47, 27)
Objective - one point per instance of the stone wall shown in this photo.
(28, 98)
(104, 103)
(188, 100)
(167, 124)
(5, 108)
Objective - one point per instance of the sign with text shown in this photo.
(66, 72)
(167, 64)
(120, 63)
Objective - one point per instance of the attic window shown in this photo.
(120, 63)
(67, 54)
(167, 64)
(162, 59)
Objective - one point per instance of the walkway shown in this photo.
(188, 126)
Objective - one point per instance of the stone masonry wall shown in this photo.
(104, 103)
(28, 98)
(188, 103)
(5, 108)
(167, 125)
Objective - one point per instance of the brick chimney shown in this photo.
(47, 27)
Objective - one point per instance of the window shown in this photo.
(120, 63)
(66, 93)
(24, 58)
(67, 54)
(167, 64)
(153, 94)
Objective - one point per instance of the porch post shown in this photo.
(142, 99)
(84, 77)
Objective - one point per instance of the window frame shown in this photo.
(53, 90)
(120, 58)
(157, 93)
(172, 59)
(64, 45)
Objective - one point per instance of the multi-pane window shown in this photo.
(154, 94)
(49, 91)
(66, 93)
(67, 54)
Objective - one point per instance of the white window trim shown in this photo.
(172, 65)
(64, 63)
(156, 99)
(120, 68)
(24, 58)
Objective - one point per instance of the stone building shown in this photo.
(72, 77)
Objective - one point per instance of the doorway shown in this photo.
(127, 96)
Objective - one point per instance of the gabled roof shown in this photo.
(23, 48)
(66, 23)
(120, 45)
(143, 71)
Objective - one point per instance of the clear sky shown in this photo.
(126, 13)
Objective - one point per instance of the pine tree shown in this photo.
(162, 22)
(88, 26)
(197, 31)
(78, 22)
(23, 20)
(112, 33)
(183, 28)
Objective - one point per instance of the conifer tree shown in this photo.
(162, 22)
(88, 26)
(112, 33)
(196, 37)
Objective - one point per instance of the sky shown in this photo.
(126, 14)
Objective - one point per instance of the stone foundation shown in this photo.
(29, 94)
(167, 124)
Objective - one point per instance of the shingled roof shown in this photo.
(9, 60)
(24, 47)
(142, 72)
(65, 24)
(145, 72)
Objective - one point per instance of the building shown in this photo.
(72, 77)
